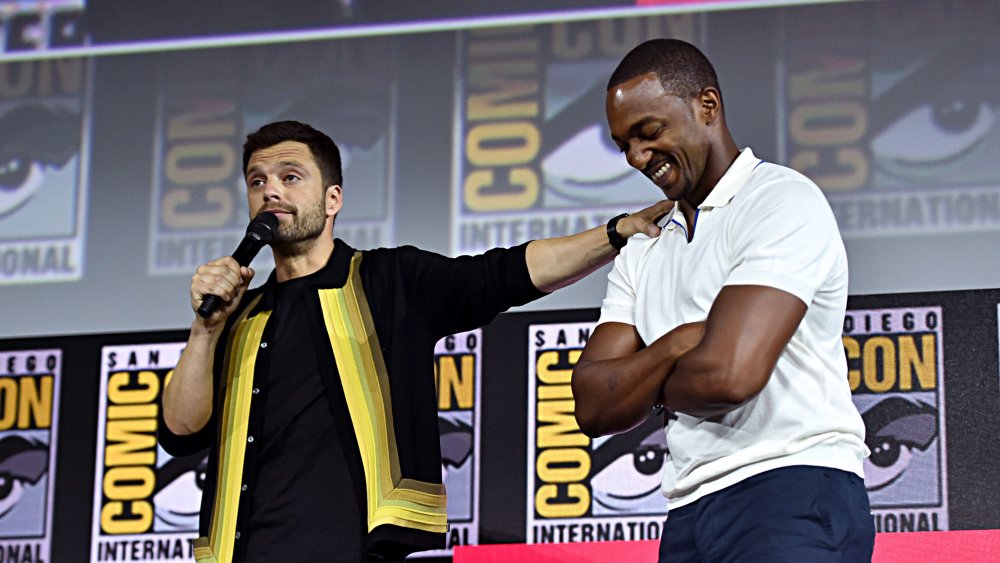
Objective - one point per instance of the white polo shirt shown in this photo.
(768, 225)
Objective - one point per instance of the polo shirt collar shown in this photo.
(731, 182)
(724, 191)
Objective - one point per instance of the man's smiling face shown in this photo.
(660, 134)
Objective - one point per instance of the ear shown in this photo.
(710, 105)
(333, 199)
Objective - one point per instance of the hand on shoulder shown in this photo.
(644, 221)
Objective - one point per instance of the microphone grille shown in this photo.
(263, 226)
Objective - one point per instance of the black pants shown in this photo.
(793, 514)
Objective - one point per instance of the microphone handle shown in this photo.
(209, 304)
(245, 252)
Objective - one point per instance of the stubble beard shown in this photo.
(305, 229)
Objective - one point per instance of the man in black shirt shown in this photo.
(314, 393)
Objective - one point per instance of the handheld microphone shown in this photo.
(260, 231)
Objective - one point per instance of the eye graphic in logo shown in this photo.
(456, 443)
(177, 496)
(939, 113)
(22, 462)
(456, 471)
(899, 432)
(37, 138)
(627, 470)
(582, 166)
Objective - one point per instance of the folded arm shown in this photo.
(617, 381)
(746, 331)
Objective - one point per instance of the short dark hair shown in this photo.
(683, 70)
(322, 147)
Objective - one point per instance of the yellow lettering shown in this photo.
(576, 493)
(131, 442)
(502, 144)
(851, 160)
(834, 123)
(455, 382)
(563, 465)
(557, 426)
(884, 347)
(116, 520)
(146, 392)
(35, 402)
(853, 351)
(128, 483)
(8, 402)
(911, 362)
(481, 193)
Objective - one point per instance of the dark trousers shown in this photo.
(793, 514)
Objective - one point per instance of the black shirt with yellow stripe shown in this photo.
(372, 320)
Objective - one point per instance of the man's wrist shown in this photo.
(614, 239)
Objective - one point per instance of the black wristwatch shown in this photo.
(615, 239)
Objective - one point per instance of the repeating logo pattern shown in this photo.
(457, 369)
(895, 371)
(146, 502)
(534, 157)
(900, 138)
(209, 103)
(29, 407)
(43, 169)
(583, 489)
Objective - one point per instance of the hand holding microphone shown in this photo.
(259, 233)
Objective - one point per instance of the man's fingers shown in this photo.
(658, 210)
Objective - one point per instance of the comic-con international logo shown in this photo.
(146, 502)
(457, 360)
(205, 109)
(900, 137)
(533, 154)
(29, 397)
(581, 489)
(43, 161)
(895, 371)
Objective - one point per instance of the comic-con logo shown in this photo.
(895, 373)
(900, 137)
(146, 502)
(457, 360)
(583, 489)
(535, 158)
(205, 109)
(29, 388)
(43, 153)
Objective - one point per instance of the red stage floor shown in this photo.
(970, 546)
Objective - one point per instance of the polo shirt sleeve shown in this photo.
(619, 300)
(787, 238)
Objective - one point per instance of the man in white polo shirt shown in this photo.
(731, 319)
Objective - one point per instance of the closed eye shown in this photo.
(651, 135)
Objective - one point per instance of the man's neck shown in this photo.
(291, 263)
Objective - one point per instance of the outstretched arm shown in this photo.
(557, 262)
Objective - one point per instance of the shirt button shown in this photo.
(250, 439)
(237, 535)
(263, 344)
(243, 488)
(256, 390)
